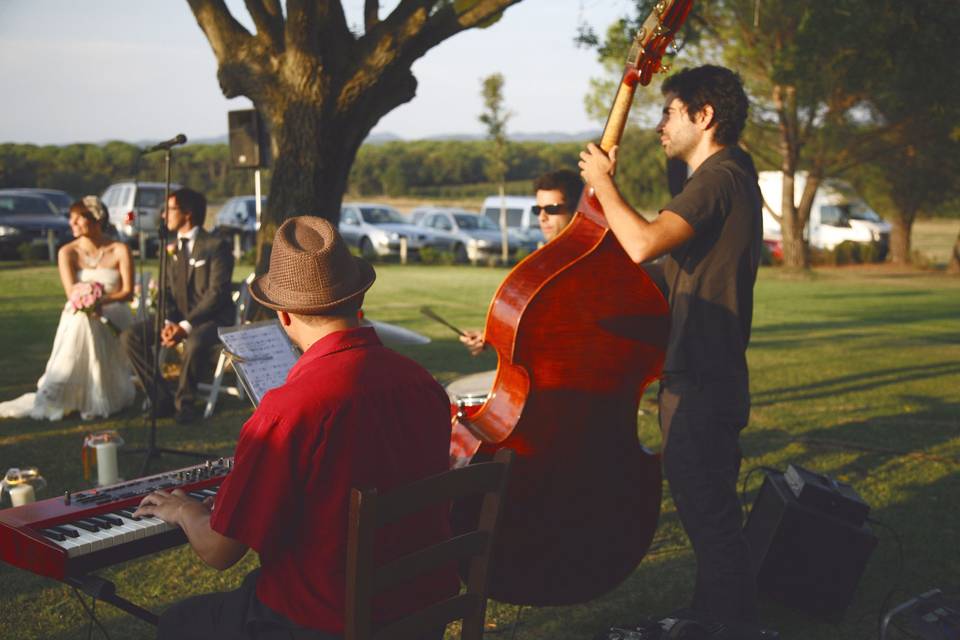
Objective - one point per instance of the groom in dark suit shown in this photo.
(197, 293)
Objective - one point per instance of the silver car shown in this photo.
(239, 214)
(377, 230)
(469, 236)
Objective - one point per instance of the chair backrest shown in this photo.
(370, 511)
(242, 298)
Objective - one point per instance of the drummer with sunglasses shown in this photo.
(557, 193)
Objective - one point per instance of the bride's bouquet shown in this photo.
(85, 297)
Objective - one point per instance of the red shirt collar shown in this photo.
(338, 341)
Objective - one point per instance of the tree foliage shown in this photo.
(826, 98)
(494, 117)
(81, 169)
(420, 168)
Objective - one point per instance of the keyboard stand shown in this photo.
(104, 590)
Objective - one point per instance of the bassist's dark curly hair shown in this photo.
(719, 87)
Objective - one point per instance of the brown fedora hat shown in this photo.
(311, 269)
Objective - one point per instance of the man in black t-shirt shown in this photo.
(710, 234)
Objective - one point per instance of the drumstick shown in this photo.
(427, 311)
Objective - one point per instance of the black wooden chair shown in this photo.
(370, 511)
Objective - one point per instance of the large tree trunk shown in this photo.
(792, 218)
(900, 237)
(954, 265)
(795, 253)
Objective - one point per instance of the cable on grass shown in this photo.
(885, 603)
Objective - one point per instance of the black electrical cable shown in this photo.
(884, 604)
(746, 478)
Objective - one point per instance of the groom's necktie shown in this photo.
(183, 265)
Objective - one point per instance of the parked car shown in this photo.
(469, 236)
(136, 207)
(60, 199)
(26, 218)
(376, 229)
(521, 220)
(240, 214)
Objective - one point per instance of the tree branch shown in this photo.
(319, 28)
(371, 14)
(268, 17)
(226, 35)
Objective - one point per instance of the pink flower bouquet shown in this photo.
(85, 297)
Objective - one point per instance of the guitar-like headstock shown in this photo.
(656, 33)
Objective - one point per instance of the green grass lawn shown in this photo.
(855, 372)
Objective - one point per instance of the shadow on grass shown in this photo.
(861, 381)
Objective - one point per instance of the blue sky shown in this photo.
(142, 70)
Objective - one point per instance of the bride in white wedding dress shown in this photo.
(87, 370)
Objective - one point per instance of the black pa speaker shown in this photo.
(805, 558)
(248, 141)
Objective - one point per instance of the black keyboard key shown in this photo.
(112, 519)
(101, 522)
(53, 535)
(86, 524)
(67, 531)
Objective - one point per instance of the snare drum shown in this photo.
(467, 395)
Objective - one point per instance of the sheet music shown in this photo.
(263, 355)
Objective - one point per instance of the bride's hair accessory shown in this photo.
(95, 206)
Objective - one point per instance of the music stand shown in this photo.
(152, 450)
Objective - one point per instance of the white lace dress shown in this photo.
(87, 370)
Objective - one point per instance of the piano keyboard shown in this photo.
(71, 536)
(95, 533)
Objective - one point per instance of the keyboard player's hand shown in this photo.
(169, 507)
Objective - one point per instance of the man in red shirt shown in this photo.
(350, 414)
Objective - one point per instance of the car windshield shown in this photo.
(250, 206)
(470, 222)
(380, 215)
(24, 205)
(149, 197)
(860, 211)
(514, 216)
(835, 215)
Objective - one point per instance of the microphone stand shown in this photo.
(152, 451)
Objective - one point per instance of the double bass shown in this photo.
(579, 331)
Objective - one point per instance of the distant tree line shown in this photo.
(423, 168)
(81, 169)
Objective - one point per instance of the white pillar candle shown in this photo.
(21, 494)
(107, 472)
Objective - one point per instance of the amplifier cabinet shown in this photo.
(804, 558)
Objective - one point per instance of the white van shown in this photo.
(522, 222)
(838, 213)
(135, 207)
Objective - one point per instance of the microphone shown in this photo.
(166, 144)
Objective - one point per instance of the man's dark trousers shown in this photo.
(701, 419)
(138, 342)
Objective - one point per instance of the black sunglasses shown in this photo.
(550, 209)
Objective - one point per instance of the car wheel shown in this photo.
(366, 249)
(460, 254)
